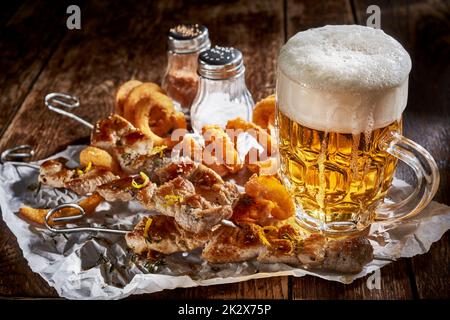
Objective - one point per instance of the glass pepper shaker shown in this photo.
(222, 93)
(185, 42)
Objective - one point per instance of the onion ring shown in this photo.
(122, 94)
(138, 93)
(156, 117)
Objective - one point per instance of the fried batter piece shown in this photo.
(265, 198)
(99, 158)
(264, 112)
(156, 117)
(261, 135)
(264, 167)
(220, 153)
(89, 205)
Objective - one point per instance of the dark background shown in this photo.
(123, 40)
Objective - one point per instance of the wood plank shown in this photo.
(8, 9)
(424, 30)
(432, 271)
(26, 43)
(16, 277)
(115, 45)
(270, 288)
(304, 15)
(395, 285)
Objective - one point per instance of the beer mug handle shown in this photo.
(426, 171)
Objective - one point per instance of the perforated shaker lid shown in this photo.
(188, 38)
(220, 63)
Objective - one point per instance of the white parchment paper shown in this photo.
(99, 266)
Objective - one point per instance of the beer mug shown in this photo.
(340, 94)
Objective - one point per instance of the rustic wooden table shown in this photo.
(116, 43)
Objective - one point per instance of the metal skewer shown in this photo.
(72, 218)
(81, 214)
(55, 100)
(22, 152)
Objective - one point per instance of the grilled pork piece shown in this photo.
(122, 189)
(198, 202)
(130, 147)
(108, 132)
(171, 170)
(163, 235)
(228, 244)
(89, 181)
(348, 255)
(54, 173)
(233, 245)
(316, 251)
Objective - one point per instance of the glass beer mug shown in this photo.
(341, 91)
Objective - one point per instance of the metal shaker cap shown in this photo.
(220, 63)
(188, 38)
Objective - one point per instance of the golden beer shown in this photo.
(340, 94)
(336, 178)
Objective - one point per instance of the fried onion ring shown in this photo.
(138, 93)
(122, 94)
(155, 117)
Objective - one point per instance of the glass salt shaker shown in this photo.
(185, 42)
(222, 93)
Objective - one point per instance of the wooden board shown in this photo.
(32, 37)
(394, 284)
(7, 11)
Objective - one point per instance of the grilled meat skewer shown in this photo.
(193, 194)
(163, 235)
(227, 244)
(315, 251)
(54, 173)
(198, 199)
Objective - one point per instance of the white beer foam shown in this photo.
(345, 78)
